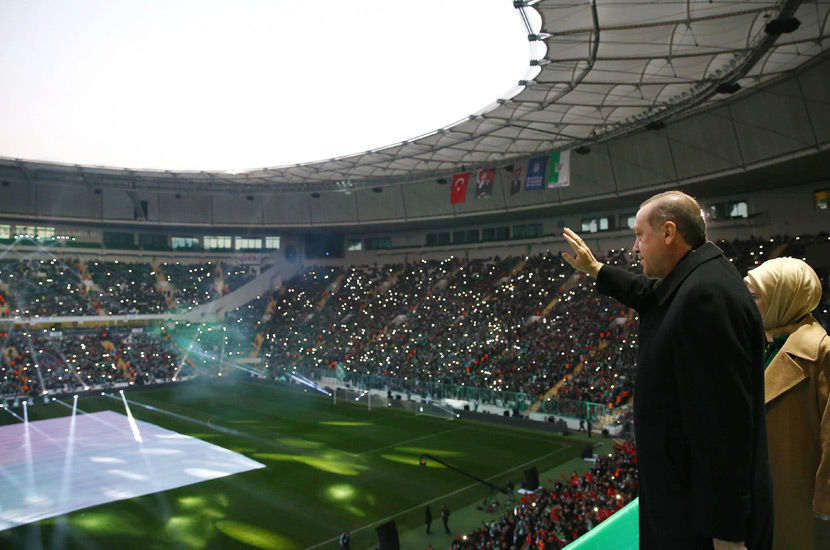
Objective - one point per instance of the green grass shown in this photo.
(328, 468)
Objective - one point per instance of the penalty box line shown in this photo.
(451, 493)
(405, 442)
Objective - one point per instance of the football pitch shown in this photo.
(328, 467)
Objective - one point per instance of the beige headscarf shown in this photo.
(790, 289)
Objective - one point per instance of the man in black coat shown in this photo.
(699, 410)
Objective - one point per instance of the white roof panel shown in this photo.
(609, 67)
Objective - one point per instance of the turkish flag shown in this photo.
(459, 188)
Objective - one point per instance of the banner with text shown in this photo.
(536, 171)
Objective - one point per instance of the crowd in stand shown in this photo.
(564, 509)
(47, 288)
(68, 287)
(38, 361)
(515, 324)
(131, 287)
(520, 324)
(191, 284)
(507, 324)
(234, 277)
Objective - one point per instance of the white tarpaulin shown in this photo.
(52, 467)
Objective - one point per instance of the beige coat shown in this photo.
(797, 384)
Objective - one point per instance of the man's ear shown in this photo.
(669, 232)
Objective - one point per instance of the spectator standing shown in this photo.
(699, 412)
(797, 384)
(346, 540)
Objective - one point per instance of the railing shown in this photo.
(486, 396)
(439, 390)
(596, 412)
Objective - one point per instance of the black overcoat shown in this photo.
(698, 404)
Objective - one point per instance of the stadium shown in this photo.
(273, 357)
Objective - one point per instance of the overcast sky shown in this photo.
(232, 85)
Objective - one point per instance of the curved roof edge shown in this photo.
(608, 71)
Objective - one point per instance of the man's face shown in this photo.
(650, 245)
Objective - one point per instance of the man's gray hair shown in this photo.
(683, 210)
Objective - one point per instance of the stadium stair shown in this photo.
(518, 267)
(86, 281)
(219, 280)
(388, 283)
(572, 281)
(259, 337)
(5, 310)
(778, 251)
(330, 290)
(11, 355)
(110, 348)
(163, 286)
(551, 393)
(264, 284)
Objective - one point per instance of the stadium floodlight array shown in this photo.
(368, 398)
(442, 412)
(306, 382)
(11, 412)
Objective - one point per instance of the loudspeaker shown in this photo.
(531, 479)
(388, 536)
(587, 451)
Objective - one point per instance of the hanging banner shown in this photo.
(458, 193)
(484, 183)
(559, 169)
(516, 179)
(536, 172)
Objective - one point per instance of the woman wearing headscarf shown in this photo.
(796, 387)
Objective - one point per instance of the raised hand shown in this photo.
(583, 259)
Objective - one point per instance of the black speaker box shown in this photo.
(388, 536)
(531, 479)
(587, 451)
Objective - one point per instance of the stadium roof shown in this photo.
(603, 69)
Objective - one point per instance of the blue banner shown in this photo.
(536, 173)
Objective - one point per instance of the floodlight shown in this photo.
(782, 26)
(728, 88)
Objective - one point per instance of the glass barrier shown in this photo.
(619, 532)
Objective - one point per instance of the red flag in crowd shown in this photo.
(459, 187)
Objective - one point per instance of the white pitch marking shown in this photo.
(384, 520)
(404, 442)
